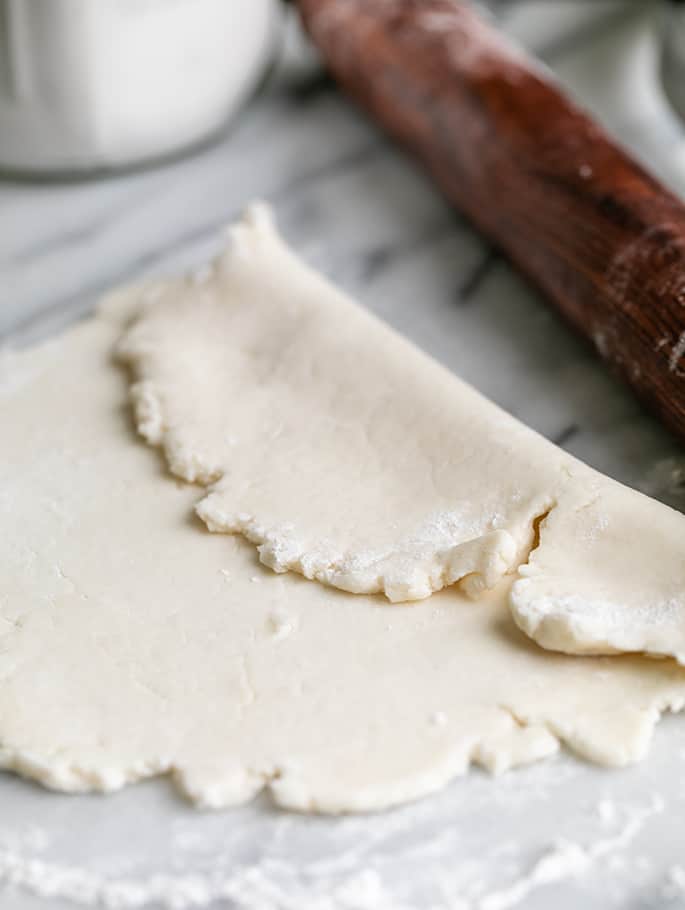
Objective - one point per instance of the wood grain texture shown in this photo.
(603, 239)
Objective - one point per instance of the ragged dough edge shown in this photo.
(71, 777)
(402, 575)
(579, 744)
(147, 411)
(290, 788)
(525, 740)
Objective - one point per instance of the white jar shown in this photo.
(99, 84)
(673, 53)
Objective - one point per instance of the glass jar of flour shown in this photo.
(94, 85)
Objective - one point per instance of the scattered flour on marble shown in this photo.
(249, 887)
(263, 886)
(347, 881)
(568, 860)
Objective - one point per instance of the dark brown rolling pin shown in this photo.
(601, 237)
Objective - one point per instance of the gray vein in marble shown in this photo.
(340, 165)
(313, 88)
(554, 51)
(566, 435)
(473, 281)
(377, 260)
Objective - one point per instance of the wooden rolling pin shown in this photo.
(602, 238)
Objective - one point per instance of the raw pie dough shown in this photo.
(349, 456)
(134, 643)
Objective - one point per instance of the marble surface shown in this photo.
(357, 209)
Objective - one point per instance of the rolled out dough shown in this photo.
(133, 643)
(349, 456)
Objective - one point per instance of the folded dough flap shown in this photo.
(608, 576)
(330, 442)
(344, 453)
